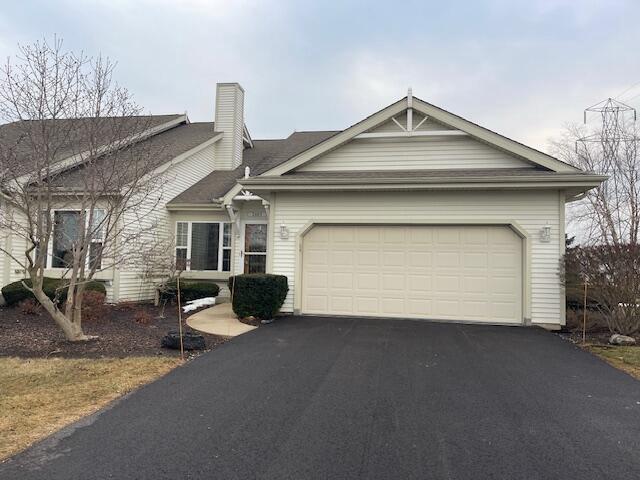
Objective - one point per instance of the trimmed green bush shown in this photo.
(189, 290)
(258, 295)
(15, 292)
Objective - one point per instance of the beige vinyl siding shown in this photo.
(414, 153)
(229, 120)
(530, 210)
(131, 284)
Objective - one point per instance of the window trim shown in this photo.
(221, 247)
(49, 262)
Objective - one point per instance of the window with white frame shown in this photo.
(203, 246)
(66, 231)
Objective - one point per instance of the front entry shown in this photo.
(255, 248)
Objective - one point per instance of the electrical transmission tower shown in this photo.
(613, 132)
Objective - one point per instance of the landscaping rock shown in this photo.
(190, 341)
(617, 339)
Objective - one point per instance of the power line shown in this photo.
(626, 90)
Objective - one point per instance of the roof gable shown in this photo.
(378, 126)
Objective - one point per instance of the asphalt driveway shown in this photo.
(371, 399)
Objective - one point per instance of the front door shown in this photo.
(255, 247)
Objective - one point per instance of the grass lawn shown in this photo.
(40, 396)
(624, 358)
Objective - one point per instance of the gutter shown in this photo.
(427, 183)
(318, 181)
(178, 207)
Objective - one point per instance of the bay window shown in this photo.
(203, 246)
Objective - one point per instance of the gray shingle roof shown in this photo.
(66, 136)
(164, 147)
(264, 155)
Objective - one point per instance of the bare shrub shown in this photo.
(612, 274)
(93, 307)
(143, 317)
(30, 306)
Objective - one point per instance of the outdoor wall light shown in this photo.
(545, 233)
(284, 232)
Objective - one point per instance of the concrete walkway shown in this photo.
(218, 320)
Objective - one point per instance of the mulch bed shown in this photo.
(250, 321)
(37, 336)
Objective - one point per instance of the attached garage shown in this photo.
(465, 273)
(415, 212)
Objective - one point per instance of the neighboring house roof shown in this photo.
(264, 155)
(164, 147)
(13, 135)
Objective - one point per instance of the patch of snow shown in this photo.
(198, 303)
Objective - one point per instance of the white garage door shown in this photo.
(469, 273)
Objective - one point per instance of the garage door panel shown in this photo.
(394, 236)
(368, 235)
(474, 285)
(393, 281)
(367, 258)
(447, 284)
(341, 305)
(475, 259)
(441, 272)
(341, 235)
(475, 236)
(341, 258)
(318, 257)
(317, 303)
(367, 281)
(418, 259)
(503, 311)
(367, 305)
(341, 280)
(447, 259)
(446, 309)
(420, 284)
(393, 259)
(420, 236)
(392, 306)
(475, 310)
(447, 236)
(317, 280)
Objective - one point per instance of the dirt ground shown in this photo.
(119, 332)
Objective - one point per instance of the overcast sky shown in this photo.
(522, 68)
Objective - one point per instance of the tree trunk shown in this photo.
(72, 329)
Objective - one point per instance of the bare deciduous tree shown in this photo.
(76, 174)
(609, 216)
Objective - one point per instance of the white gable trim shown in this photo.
(464, 127)
(339, 139)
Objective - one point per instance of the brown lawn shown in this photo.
(40, 396)
(623, 358)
